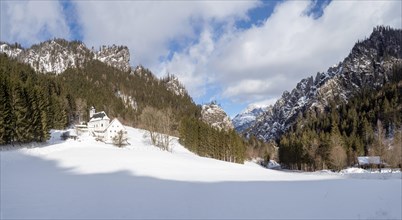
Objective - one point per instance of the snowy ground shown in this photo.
(88, 179)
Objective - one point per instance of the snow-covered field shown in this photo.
(88, 179)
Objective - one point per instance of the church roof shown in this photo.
(99, 116)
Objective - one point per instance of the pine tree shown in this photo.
(21, 108)
(6, 111)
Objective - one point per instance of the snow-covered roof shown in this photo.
(115, 120)
(369, 160)
(72, 132)
(99, 116)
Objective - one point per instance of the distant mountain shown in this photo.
(216, 117)
(248, 117)
(57, 55)
(368, 65)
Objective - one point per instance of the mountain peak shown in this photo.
(248, 117)
(215, 116)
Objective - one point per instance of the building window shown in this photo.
(101, 125)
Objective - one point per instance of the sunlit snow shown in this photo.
(89, 179)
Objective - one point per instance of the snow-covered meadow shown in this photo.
(88, 179)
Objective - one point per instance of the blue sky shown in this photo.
(235, 52)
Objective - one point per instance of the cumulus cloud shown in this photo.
(148, 27)
(29, 22)
(261, 62)
(189, 66)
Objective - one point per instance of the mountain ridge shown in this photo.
(368, 65)
(57, 55)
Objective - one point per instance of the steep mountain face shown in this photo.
(368, 65)
(215, 116)
(248, 117)
(58, 55)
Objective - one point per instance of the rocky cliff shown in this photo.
(215, 116)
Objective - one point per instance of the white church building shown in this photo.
(100, 126)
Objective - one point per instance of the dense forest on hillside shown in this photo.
(30, 104)
(370, 123)
(64, 99)
(104, 87)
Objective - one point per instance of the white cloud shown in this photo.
(190, 65)
(148, 27)
(261, 62)
(293, 45)
(263, 103)
(30, 22)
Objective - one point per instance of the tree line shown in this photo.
(204, 140)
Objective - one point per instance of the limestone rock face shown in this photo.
(216, 117)
(55, 56)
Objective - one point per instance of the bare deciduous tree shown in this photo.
(394, 154)
(337, 154)
(149, 121)
(379, 147)
(159, 125)
(81, 106)
(120, 139)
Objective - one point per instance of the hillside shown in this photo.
(368, 66)
(369, 124)
(88, 179)
(65, 99)
(70, 94)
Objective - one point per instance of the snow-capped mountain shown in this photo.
(245, 119)
(367, 66)
(215, 116)
(57, 55)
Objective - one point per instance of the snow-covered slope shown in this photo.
(87, 179)
(247, 118)
(57, 55)
(368, 65)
